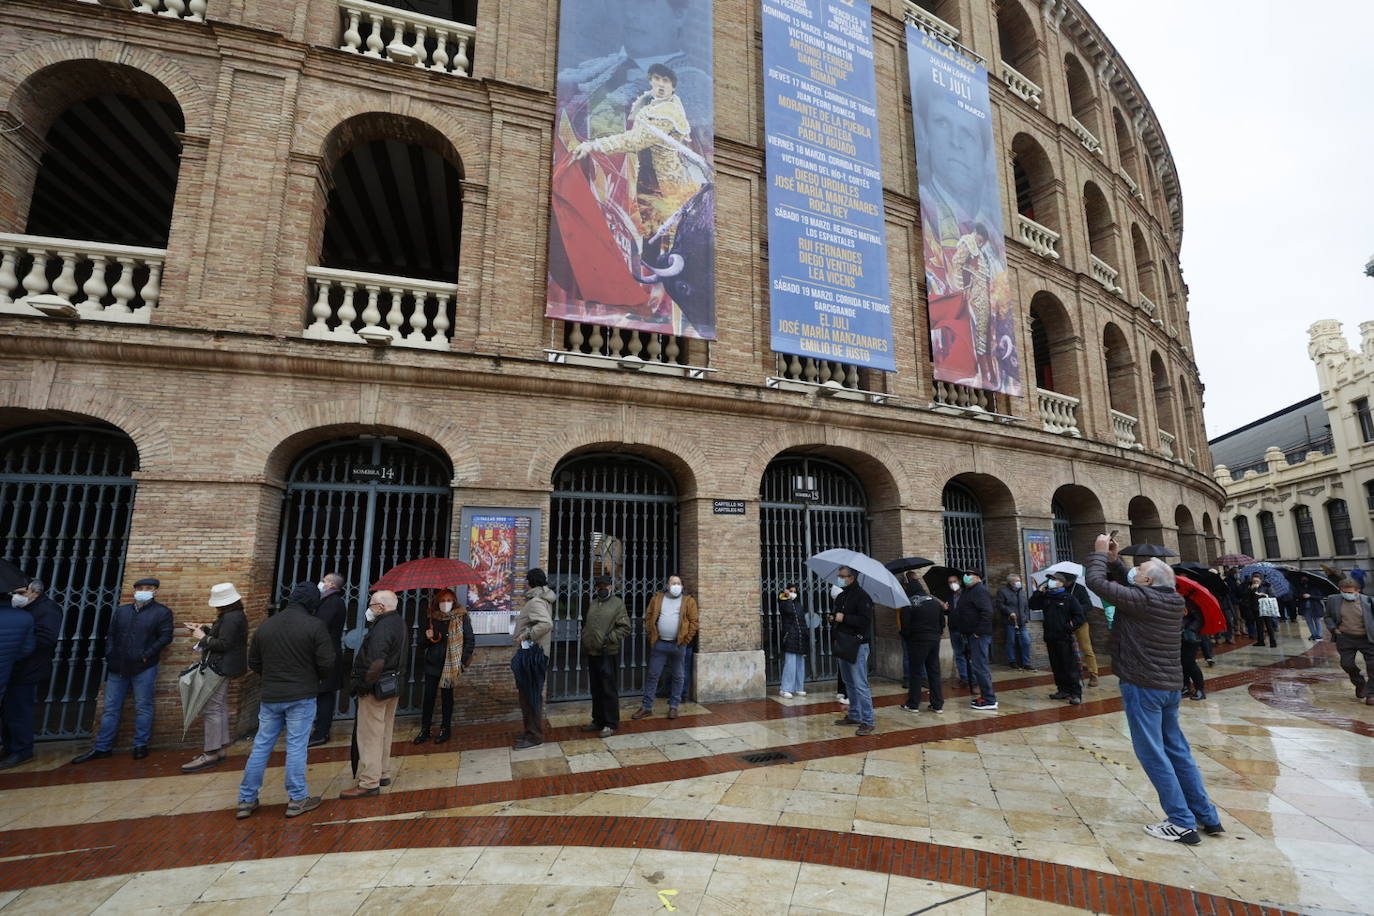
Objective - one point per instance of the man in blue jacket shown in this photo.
(139, 631)
(16, 640)
(30, 674)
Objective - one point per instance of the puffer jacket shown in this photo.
(16, 640)
(1146, 631)
(923, 620)
(226, 644)
(535, 622)
(796, 635)
(970, 611)
(1063, 614)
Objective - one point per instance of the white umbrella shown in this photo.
(873, 577)
(1073, 569)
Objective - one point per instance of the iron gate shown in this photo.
(792, 529)
(359, 507)
(1063, 533)
(613, 515)
(66, 499)
(963, 513)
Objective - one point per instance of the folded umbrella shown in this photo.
(428, 572)
(1147, 550)
(873, 577)
(196, 684)
(1273, 576)
(937, 581)
(906, 563)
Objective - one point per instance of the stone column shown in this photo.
(720, 558)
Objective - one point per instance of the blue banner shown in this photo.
(827, 244)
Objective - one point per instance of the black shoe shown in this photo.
(1059, 696)
(526, 742)
(140, 751)
(14, 760)
(316, 742)
(1199, 695)
(1259, 645)
(1211, 663)
(847, 721)
(92, 754)
(910, 708)
(384, 783)
(591, 727)
(442, 736)
(1273, 645)
(1213, 829)
(422, 737)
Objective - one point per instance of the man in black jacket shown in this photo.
(923, 623)
(382, 655)
(139, 631)
(1012, 607)
(292, 652)
(1063, 616)
(333, 612)
(970, 615)
(853, 616)
(30, 674)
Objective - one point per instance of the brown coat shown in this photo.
(687, 622)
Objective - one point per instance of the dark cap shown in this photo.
(602, 580)
(306, 594)
(148, 580)
(537, 577)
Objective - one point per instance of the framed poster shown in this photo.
(1037, 545)
(502, 544)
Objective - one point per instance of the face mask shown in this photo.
(143, 597)
(836, 591)
(968, 580)
(1056, 588)
(322, 587)
(1130, 575)
(370, 615)
(1016, 586)
(603, 593)
(1346, 595)
(445, 606)
(674, 590)
(954, 586)
(19, 600)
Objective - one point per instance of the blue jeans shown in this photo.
(1314, 624)
(1165, 756)
(296, 717)
(1018, 645)
(793, 672)
(116, 690)
(663, 652)
(980, 672)
(959, 644)
(856, 682)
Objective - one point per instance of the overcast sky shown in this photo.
(1268, 108)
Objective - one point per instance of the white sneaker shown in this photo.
(1166, 830)
(801, 693)
(844, 700)
(785, 695)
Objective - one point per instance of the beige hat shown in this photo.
(223, 594)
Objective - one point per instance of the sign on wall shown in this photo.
(502, 545)
(1038, 546)
(973, 337)
(827, 244)
(632, 212)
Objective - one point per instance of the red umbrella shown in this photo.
(1234, 559)
(429, 572)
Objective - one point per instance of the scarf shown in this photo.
(453, 652)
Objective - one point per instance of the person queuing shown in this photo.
(291, 652)
(378, 667)
(1312, 607)
(796, 643)
(16, 641)
(1350, 618)
(1084, 633)
(1014, 612)
(670, 622)
(607, 623)
(333, 612)
(1145, 659)
(1258, 595)
(1193, 687)
(224, 650)
(448, 647)
(958, 641)
(529, 664)
(1241, 596)
(31, 672)
(1063, 616)
(970, 615)
(139, 631)
(923, 626)
(853, 614)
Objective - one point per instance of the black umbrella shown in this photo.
(1317, 584)
(10, 577)
(937, 581)
(1204, 577)
(905, 563)
(1147, 550)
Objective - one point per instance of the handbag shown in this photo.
(845, 645)
(1268, 607)
(387, 686)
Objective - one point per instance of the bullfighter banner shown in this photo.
(972, 316)
(827, 247)
(632, 216)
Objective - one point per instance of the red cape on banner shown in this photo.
(950, 339)
(591, 266)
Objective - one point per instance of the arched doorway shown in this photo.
(614, 515)
(1078, 519)
(1189, 548)
(1146, 525)
(66, 499)
(794, 526)
(359, 507)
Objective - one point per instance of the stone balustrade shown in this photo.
(1105, 274)
(190, 10)
(1124, 426)
(963, 397)
(1090, 143)
(1043, 240)
(624, 343)
(1020, 85)
(349, 306)
(404, 37)
(95, 280)
(816, 371)
(1147, 305)
(930, 23)
(1058, 413)
(1167, 440)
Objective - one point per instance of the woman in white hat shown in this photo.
(225, 644)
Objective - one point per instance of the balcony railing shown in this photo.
(1105, 274)
(1021, 85)
(1040, 239)
(963, 397)
(82, 279)
(1124, 425)
(190, 10)
(1147, 305)
(1090, 143)
(403, 37)
(1058, 412)
(816, 371)
(354, 307)
(1167, 440)
(929, 22)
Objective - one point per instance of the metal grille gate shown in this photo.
(963, 514)
(359, 507)
(790, 530)
(1063, 533)
(66, 500)
(613, 515)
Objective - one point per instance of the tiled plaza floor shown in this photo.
(1035, 809)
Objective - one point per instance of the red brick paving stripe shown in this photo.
(150, 850)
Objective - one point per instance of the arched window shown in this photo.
(1063, 533)
(1017, 40)
(1270, 533)
(1101, 235)
(1145, 270)
(963, 518)
(1164, 406)
(1082, 101)
(1306, 530)
(1342, 538)
(1121, 374)
(1244, 543)
(1125, 148)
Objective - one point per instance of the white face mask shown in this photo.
(143, 597)
(1348, 596)
(369, 615)
(445, 606)
(19, 600)
(322, 587)
(1016, 585)
(836, 591)
(674, 590)
(954, 586)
